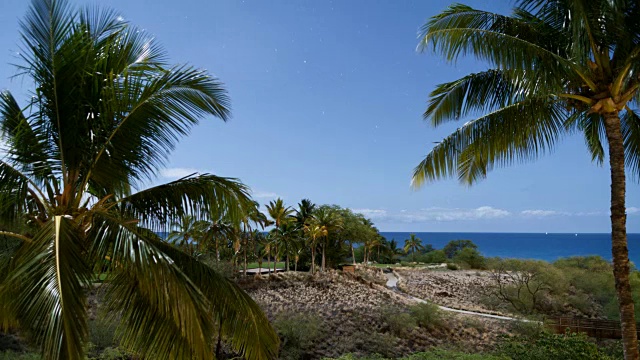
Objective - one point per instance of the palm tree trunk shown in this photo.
(619, 249)
(269, 262)
(275, 259)
(313, 260)
(245, 256)
(323, 258)
(353, 254)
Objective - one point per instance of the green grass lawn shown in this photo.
(254, 265)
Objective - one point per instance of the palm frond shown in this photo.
(171, 304)
(199, 195)
(498, 40)
(46, 281)
(631, 138)
(244, 325)
(485, 91)
(516, 133)
(163, 314)
(27, 145)
(165, 104)
(15, 193)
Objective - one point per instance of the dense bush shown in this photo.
(298, 333)
(470, 258)
(10, 355)
(552, 347)
(454, 246)
(452, 266)
(400, 322)
(427, 315)
(528, 286)
(435, 354)
(432, 257)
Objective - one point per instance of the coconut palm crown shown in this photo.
(105, 112)
(558, 67)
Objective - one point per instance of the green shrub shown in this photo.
(432, 257)
(552, 347)
(10, 355)
(298, 333)
(470, 258)
(454, 246)
(377, 344)
(112, 354)
(435, 354)
(427, 315)
(452, 266)
(526, 329)
(400, 323)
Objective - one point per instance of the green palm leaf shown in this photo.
(515, 133)
(47, 279)
(200, 195)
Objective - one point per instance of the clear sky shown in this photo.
(327, 101)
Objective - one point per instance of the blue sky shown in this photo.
(327, 101)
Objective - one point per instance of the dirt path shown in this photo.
(392, 283)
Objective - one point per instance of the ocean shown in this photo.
(540, 246)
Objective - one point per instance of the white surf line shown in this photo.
(392, 282)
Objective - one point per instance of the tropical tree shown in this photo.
(105, 113)
(392, 250)
(288, 235)
(314, 233)
(411, 245)
(188, 231)
(352, 228)
(558, 67)
(304, 213)
(328, 219)
(280, 214)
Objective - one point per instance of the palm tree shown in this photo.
(280, 214)
(393, 250)
(218, 229)
(288, 234)
(411, 245)
(326, 218)
(559, 67)
(187, 232)
(370, 235)
(314, 232)
(305, 212)
(105, 112)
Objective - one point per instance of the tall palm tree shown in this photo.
(411, 245)
(559, 67)
(393, 250)
(105, 113)
(288, 234)
(314, 233)
(328, 219)
(279, 213)
(188, 231)
(305, 210)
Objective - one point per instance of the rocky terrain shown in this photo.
(459, 289)
(361, 316)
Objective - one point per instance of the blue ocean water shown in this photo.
(529, 245)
